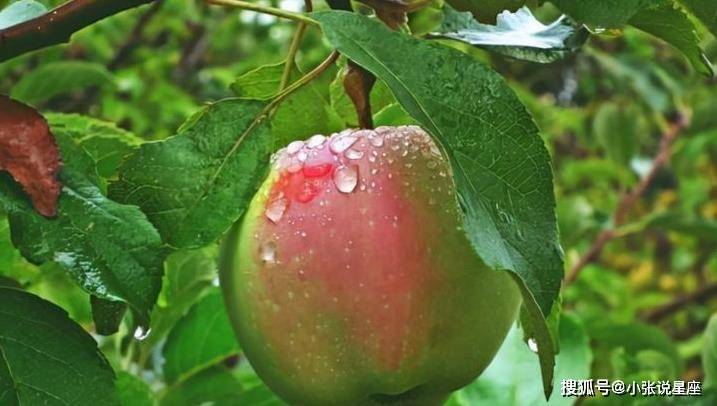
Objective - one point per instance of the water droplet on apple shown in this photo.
(316, 141)
(267, 252)
(342, 142)
(346, 178)
(353, 154)
(294, 147)
(275, 209)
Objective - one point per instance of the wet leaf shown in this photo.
(261, 83)
(107, 315)
(670, 24)
(603, 14)
(195, 185)
(519, 35)
(29, 153)
(111, 250)
(706, 11)
(47, 358)
(105, 143)
(20, 11)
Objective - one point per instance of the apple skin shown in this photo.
(349, 280)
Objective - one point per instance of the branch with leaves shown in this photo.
(628, 201)
(58, 26)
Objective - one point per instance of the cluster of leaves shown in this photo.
(137, 222)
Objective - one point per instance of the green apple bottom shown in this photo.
(349, 281)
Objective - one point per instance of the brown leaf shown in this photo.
(29, 153)
(391, 12)
(358, 83)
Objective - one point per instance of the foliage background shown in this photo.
(641, 311)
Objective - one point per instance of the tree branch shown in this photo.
(135, 37)
(57, 26)
(628, 201)
(700, 295)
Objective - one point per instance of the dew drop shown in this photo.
(353, 154)
(302, 156)
(533, 345)
(346, 178)
(342, 142)
(267, 252)
(275, 210)
(376, 140)
(316, 141)
(294, 147)
(140, 333)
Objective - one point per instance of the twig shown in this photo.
(135, 37)
(265, 9)
(628, 201)
(313, 74)
(57, 26)
(192, 52)
(700, 295)
(294, 48)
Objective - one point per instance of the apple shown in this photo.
(350, 281)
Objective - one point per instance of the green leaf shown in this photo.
(261, 83)
(670, 24)
(109, 249)
(519, 35)
(57, 78)
(45, 358)
(602, 14)
(500, 165)
(200, 339)
(213, 386)
(254, 390)
(634, 75)
(19, 12)
(709, 353)
(133, 391)
(290, 122)
(509, 378)
(106, 143)
(633, 338)
(615, 126)
(195, 185)
(107, 315)
(705, 10)
(12, 264)
(187, 275)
